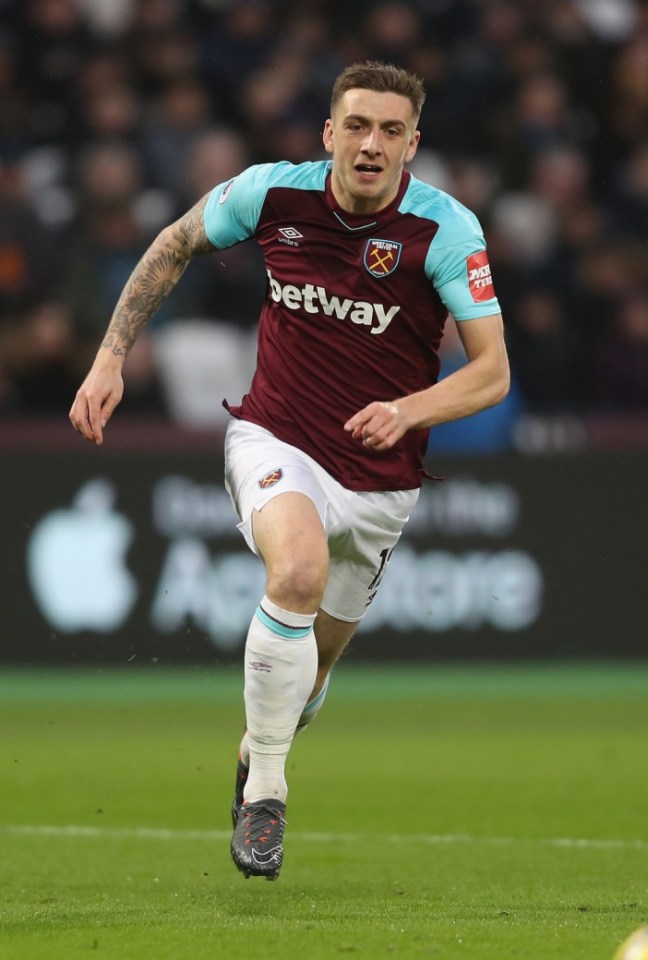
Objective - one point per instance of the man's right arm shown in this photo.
(149, 285)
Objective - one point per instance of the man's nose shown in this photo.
(371, 143)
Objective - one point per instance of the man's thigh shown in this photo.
(258, 470)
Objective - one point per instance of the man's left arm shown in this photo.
(482, 382)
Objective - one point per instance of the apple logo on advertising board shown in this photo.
(76, 563)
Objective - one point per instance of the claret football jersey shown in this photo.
(354, 310)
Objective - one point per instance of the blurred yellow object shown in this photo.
(635, 947)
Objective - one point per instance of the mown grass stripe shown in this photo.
(165, 834)
(357, 682)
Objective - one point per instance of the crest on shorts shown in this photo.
(381, 257)
(270, 479)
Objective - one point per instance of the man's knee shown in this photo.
(292, 541)
(297, 582)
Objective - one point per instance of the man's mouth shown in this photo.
(368, 169)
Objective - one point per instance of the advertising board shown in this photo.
(135, 555)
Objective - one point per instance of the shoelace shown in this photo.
(257, 827)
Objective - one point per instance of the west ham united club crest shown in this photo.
(270, 479)
(381, 257)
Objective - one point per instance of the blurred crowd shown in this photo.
(117, 115)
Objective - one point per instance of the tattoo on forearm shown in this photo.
(151, 282)
(154, 278)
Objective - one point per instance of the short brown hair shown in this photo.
(382, 78)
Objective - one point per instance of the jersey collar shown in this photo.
(357, 222)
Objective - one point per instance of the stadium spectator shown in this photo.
(621, 363)
(178, 117)
(26, 248)
(627, 205)
(36, 349)
(545, 352)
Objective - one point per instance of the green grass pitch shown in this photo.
(437, 812)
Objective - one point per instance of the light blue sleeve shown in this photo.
(462, 282)
(233, 208)
(449, 268)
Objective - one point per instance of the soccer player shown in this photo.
(324, 455)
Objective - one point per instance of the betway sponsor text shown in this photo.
(312, 299)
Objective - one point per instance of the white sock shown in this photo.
(308, 714)
(280, 670)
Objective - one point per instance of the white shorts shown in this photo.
(362, 528)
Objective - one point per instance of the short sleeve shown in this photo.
(233, 208)
(461, 275)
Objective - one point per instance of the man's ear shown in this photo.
(412, 147)
(327, 136)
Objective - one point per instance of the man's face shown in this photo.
(371, 137)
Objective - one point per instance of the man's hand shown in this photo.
(380, 425)
(95, 401)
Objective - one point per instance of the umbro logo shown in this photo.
(290, 236)
(260, 666)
